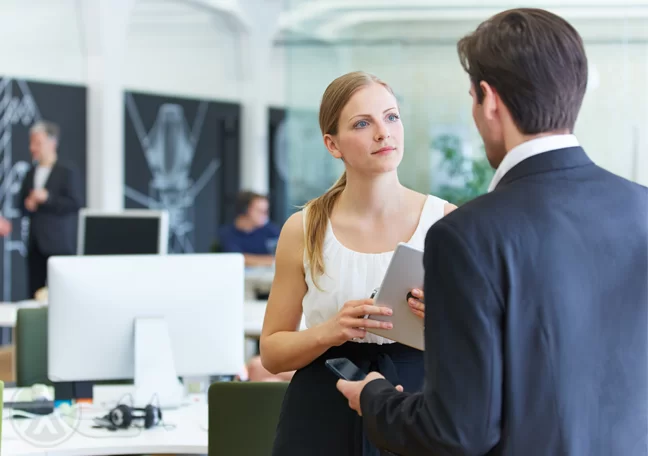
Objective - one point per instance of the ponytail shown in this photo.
(317, 218)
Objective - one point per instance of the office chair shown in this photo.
(243, 417)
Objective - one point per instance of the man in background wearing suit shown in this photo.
(537, 293)
(51, 196)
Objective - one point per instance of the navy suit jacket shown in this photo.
(53, 226)
(536, 322)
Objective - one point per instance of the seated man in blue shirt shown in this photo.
(251, 234)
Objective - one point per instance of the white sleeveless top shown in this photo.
(350, 275)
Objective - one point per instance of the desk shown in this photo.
(9, 311)
(258, 279)
(253, 312)
(55, 436)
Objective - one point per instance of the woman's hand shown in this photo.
(417, 303)
(350, 322)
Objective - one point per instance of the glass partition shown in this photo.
(418, 58)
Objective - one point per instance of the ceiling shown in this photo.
(430, 20)
(43, 24)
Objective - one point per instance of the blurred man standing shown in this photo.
(51, 198)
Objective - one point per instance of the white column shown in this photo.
(105, 26)
(262, 15)
(255, 163)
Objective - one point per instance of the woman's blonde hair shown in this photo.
(318, 210)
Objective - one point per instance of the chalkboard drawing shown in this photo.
(169, 148)
(15, 108)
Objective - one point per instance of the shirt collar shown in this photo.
(529, 149)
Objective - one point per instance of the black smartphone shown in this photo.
(345, 369)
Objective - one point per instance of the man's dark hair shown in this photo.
(536, 62)
(244, 199)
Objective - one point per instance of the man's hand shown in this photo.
(39, 195)
(5, 226)
(352, 390)
(30, 204)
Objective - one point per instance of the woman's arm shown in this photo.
(283, 347)
(417, 302)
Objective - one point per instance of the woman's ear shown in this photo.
(331, 145)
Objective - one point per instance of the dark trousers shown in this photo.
(36, 269)
(315, 418)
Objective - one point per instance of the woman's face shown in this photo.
(370, 132)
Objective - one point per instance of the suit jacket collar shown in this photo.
(570, 157)
(48, 182)
(528, 149)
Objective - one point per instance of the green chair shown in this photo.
(243, 417)
(31, 347)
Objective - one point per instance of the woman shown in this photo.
(330, 257)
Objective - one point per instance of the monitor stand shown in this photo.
(156, 379)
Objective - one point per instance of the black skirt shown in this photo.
(315, 417)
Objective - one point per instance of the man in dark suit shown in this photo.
(537, 292)
(51, 197)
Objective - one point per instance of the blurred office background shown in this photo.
(189, 101)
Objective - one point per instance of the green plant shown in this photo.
(474, 175)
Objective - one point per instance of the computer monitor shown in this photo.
(150, 318)
(127, 232)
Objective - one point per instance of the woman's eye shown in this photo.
(394, 117)
(361, 124)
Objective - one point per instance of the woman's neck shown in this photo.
(372, 196)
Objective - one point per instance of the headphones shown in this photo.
(123, 416)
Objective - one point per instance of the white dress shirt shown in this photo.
(529, 149)
(40, 176)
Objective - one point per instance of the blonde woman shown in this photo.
(330, 257)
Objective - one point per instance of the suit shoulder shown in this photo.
(624, 184)
(478, 220)
(480, 208)
(67, 166)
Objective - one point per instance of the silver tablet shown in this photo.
(404, 273)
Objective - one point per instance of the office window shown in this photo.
(415, 52)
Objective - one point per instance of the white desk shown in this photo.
(258, 279)
(254, 311)
(56, 436)
(254, 314)
(9, 310)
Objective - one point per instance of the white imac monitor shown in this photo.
(127, 232)
(151, 318)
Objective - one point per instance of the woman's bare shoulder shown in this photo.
(293, 229)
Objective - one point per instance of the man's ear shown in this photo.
(331, 145)
(490, 103)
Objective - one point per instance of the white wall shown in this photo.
(194, 54)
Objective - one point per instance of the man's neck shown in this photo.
(514, 139)
(242, 223)
(47, 162)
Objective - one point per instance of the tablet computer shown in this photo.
(404, 273)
